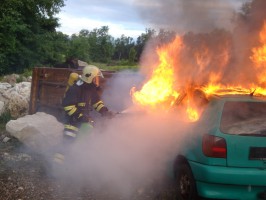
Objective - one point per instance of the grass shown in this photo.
(116, 66)
(4, 118)
(2, 127)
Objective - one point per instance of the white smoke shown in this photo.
(127, 152)
(130, 151)
(117, 89)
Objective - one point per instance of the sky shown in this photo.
(132, 17)
(119, 15)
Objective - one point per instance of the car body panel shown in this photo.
(237, 176)
(228, 175)
(224, 191)
(238, 153)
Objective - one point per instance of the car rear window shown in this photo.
(244, 118)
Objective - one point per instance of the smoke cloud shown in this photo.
(187, 15)
(127, 153)
(117, 90)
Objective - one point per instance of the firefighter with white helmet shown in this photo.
(91, 74)
(77, 103)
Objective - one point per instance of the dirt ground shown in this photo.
(23, 175)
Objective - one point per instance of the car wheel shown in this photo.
(186, 186)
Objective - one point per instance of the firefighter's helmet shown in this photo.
(90, 72)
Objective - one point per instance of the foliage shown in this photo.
(119, 66)
(101, 44)
(122, 47)
(122, 67)
(5, 117)
(132, 55)
(52, 49)
(24, 26)
(79, 47)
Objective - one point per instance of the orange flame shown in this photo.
(159, 90)
(259, 53)
(162, 89)
(192, 113)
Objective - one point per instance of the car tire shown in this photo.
(186, 186)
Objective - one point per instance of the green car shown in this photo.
(225, 157)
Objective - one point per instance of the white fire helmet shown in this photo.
(91, 74)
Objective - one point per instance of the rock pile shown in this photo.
(15, 97)
(38, 131)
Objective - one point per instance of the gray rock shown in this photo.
(4, 86)
(6, 139)
(18, 99)
(39, 131)
(18, 105)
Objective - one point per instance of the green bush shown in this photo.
(117, 66)
(5, 117)
(27, 72)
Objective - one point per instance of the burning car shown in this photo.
(225, 157)
(227, 160)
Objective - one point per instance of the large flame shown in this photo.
(159, 90)
(173, 82)
(259, 55)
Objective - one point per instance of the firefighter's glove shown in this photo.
(84, 118)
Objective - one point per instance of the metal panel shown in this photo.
(48, 88)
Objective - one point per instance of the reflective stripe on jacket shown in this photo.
(80, 98)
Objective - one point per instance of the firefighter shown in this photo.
(79, 99)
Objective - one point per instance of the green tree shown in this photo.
(101, 44)
(23, 26)
(132, 55)
(79, 46)
(122, 47)
(53, 48)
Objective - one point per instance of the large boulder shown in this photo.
(39, 131)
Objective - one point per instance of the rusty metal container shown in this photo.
(48, 88)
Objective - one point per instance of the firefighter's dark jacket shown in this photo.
(79, 99)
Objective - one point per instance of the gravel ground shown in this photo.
(24, 176)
